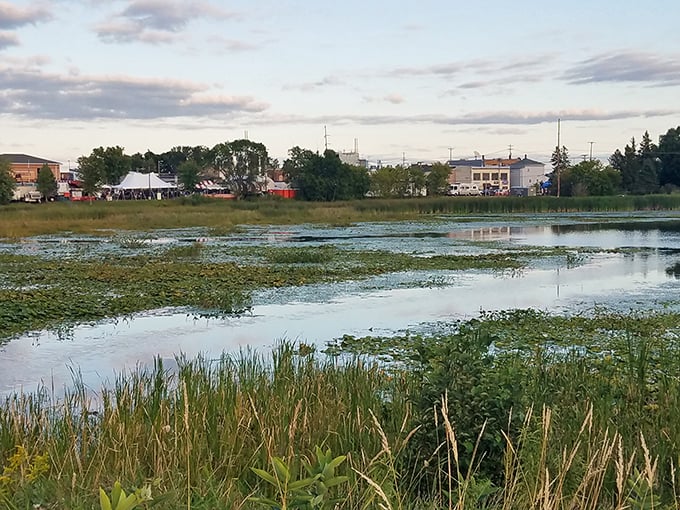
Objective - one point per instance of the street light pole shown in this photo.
(591, 150)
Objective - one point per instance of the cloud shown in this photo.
(232, 45)
(8, 39)
(626, 67)
(447, 69)
(123, 31)
(12, 16)
(394, 98)
(156, 21)
(34, 94)
(502, 118)
(327, 81)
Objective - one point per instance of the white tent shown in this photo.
(139, 181)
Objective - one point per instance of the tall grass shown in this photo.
(193, 430)
(21, 220)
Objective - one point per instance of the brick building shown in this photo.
(25, 167)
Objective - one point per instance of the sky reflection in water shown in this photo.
(644, 278)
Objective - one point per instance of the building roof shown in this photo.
(526, 162)
(26, 159)
(465, 162)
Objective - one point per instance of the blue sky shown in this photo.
(408, 80)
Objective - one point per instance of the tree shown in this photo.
(639, 167)
(669, 155)
(188, 175)
(112, 164)
(560, 163)
(383, 182)
(243, 165)
(628, 164)
(91, 172)
(590, 178)
(7, 182)
(324, 178)
(438, 178)
(46, 183)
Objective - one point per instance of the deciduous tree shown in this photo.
(91, 172)
(243, 165)
(324, 178)
(188, 174)
(7, 182)
(46, 183)
(438, 178)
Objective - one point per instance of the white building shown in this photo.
(526, 173)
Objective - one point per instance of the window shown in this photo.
(485, 176)
(494, 176)
(475, 177)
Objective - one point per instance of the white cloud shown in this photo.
(12, 16)
(33, 93)
(626, 67)
(156, 21)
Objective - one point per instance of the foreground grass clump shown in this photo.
(515, 410)
(22, 220)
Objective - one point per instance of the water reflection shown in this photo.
(674, 270)
(645, 277)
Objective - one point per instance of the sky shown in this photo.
(403, 81)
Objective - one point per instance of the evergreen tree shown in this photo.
(648, 177)
(639, 166)
(669, 155)
(560, 163)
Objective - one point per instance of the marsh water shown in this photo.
(617, 261)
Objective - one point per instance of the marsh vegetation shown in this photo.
(510, 409)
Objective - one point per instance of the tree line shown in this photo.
(243, 165)
(639, 169)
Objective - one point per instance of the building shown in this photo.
(25, 167)
(487, 174)
(526, 176)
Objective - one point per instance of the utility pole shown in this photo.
(510, 151)
(591, 150)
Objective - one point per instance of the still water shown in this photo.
(639, 270)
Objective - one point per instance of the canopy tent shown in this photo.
(139, 181)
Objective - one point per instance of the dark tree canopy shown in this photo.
(669, 156)
(324, 178)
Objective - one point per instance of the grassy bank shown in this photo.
(21, 220)
(564, 413)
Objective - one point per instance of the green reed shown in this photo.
(22, 220)
(563, 412)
